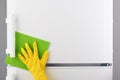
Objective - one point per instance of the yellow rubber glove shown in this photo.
(35, 65)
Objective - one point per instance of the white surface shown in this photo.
(83, 73)
(80, 31)
(11, 73)
(11, 28)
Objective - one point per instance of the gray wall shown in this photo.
(2, 39)
(116, 43)
(116, 40)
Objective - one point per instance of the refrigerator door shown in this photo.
(83, 73)
(80, 31)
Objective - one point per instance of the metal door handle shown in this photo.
(77, 64)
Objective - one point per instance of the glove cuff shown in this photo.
(40, 76)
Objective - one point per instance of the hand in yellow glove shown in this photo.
(35, 65)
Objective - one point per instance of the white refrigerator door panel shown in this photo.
(80, 31)
(81, 73)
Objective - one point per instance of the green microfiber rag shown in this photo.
(20, 41)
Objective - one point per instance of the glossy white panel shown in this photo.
(83, 73)
(80, 31)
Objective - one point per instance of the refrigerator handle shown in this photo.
(11, 28)
(11, 73)
(78, 64)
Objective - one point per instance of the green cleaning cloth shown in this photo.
(20, 41)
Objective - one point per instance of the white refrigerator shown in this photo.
(80, 33)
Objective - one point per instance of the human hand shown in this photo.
(35, 65)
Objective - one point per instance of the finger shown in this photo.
(21, 58)
(24, 53)
(28, 49)
(44, 58)
(35, 49)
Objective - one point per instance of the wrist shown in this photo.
(40, 76)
